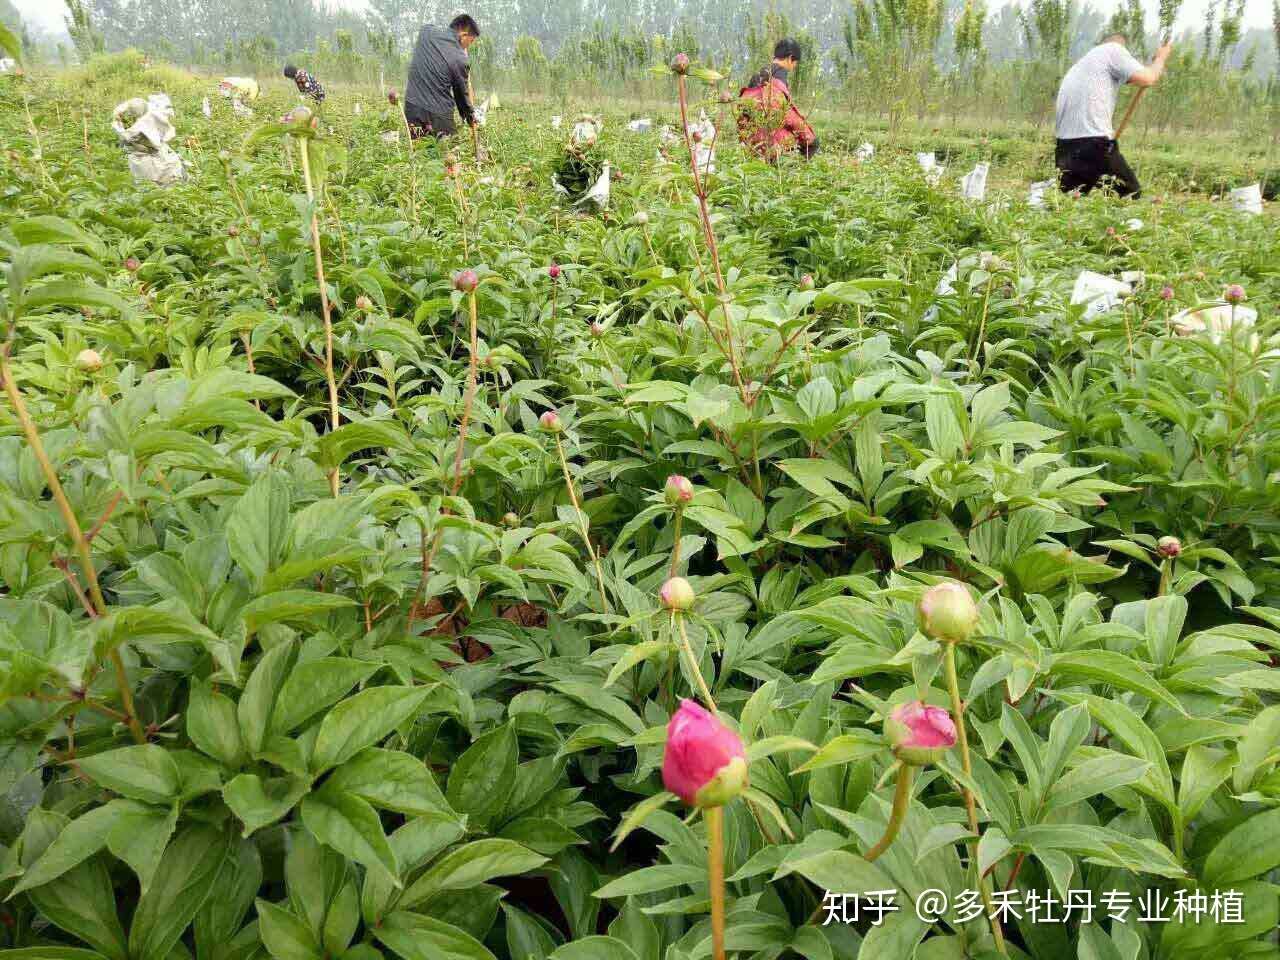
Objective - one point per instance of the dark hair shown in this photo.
(787, 49)
(291, 71)
(465, 23)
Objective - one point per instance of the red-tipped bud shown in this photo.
(1169, 547)
(597, 329)
(549, 422)
(132, 264)
(88, 361)
(680, 64)
(364, 304)
(677, 594)
(465, 281)
(678, 490)
(703, 762)
(948, 613)
(233, 231)
(1166, 292)
(1234, 294)
(510, 520)
(553, 271)
(807, 282)
(393, 98)
(1111, 231)
(919, 734)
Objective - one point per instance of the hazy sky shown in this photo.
(49, 13)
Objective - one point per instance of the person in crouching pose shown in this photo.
(769, 124)
(308, 85)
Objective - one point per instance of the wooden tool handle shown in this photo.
(1128, 114)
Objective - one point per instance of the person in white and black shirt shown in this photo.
(308, 85)
(1087, 152)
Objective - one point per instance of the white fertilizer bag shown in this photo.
(357, 108)
(205, 108)
(1214, 320)
(1098, 293)
(556, 122)
(1247, 199)
(703, 136)
(1133, 224)
(932, 170)
(242, 88)
(598, 195)
(865, 151)
(1035, 196)
(973, 185)
(391, 136)
(642, 125)
(144, 129)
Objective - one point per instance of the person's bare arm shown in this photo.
(1148, 76)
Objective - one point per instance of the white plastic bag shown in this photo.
(1099, 293)
(357, 109)
(702, 134)
(642, 125)
(973, 185)
(205, 108)
(556, 122)
(239, 109)
(242, 88)
(1247, 199)
(391, 136)
(7, 64)
(599, 192)
(932, 169)
(1214, 320)
(144, 129)
(482, 111)
(865, 151)
(1035, 196)
(1133, 224)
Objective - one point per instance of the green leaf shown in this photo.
(314, 685)
(1096, 775)
(259, 525)
(638, 814)
(846, 748)
(653, 879)
(212, 725)
(284, 935)
(762, 749)
(636, 655)
(291, 606)
(78, 840)
(1106, 666)
(186, 875)
(838, 871)
(1128, 727)
(471, 865)
(143, 772)
(415, 937)
(351, 826)
(392, 780)
(362, 720)
(258, 802)
(481, 780)
(259, 697)
(139, 837)
(1248, 851)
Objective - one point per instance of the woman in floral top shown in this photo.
(308, 85)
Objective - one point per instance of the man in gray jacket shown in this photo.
(438, 78)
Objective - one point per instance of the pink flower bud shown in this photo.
(89, 361)
(132, 265)
(678, 490)
(510, 519)
(364, 303)
(392, 97)
(696, 136)
(1111, 231)
(1234, 294)
(1169, 547)
(948, 613)
(597, 329)
(680, 64)
(550, 422)
(807, 282)
(677, 594)
(233, 231)
(465, 281)
(919, 734)
(1166, 292)
(553, 271)
(640, 219)
(703, 763)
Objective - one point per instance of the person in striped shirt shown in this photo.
(308, 85)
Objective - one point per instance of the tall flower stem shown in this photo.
(582, 524)
(472, 374)
(966, 762)
(703, 689)
(304, 149)
(715, 877)
(78, 539)
(675, 545)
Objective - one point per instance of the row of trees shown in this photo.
(898, 58)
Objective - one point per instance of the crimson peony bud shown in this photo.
(807, 282)
(132, 265)
(553, 271)
(680, 64)
(1166, 292)
(510, 520)
(1169, 547)
(364, 303)
(948, 613)
(919, 734)
(677, 594)
(703, 762)
(1111, 231)
(465, 281)
(392, 97)
(549, 422)
(1234, 294)
(89, 361)
(597, 329)
(233, 231)
(678, 490)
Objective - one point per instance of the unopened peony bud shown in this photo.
(948, 613)
(677, 594)
(678, 490)
(549, 422)
(132, 265)
(233, 231)
(597, 329)
(703, 762)
(553, 271)
(807, 282)
(696, 136)
(640, 219)
(465, 281)
(1234, 294)
(224, 156)
(919, 734)
(89, 361)
(510, 520)
(1166, 292)
(1169, 547)
(392, 97)
(1111, 231)
(364, 304)
(680, 64)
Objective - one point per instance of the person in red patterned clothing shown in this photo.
(768, 122)
(308, 85)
